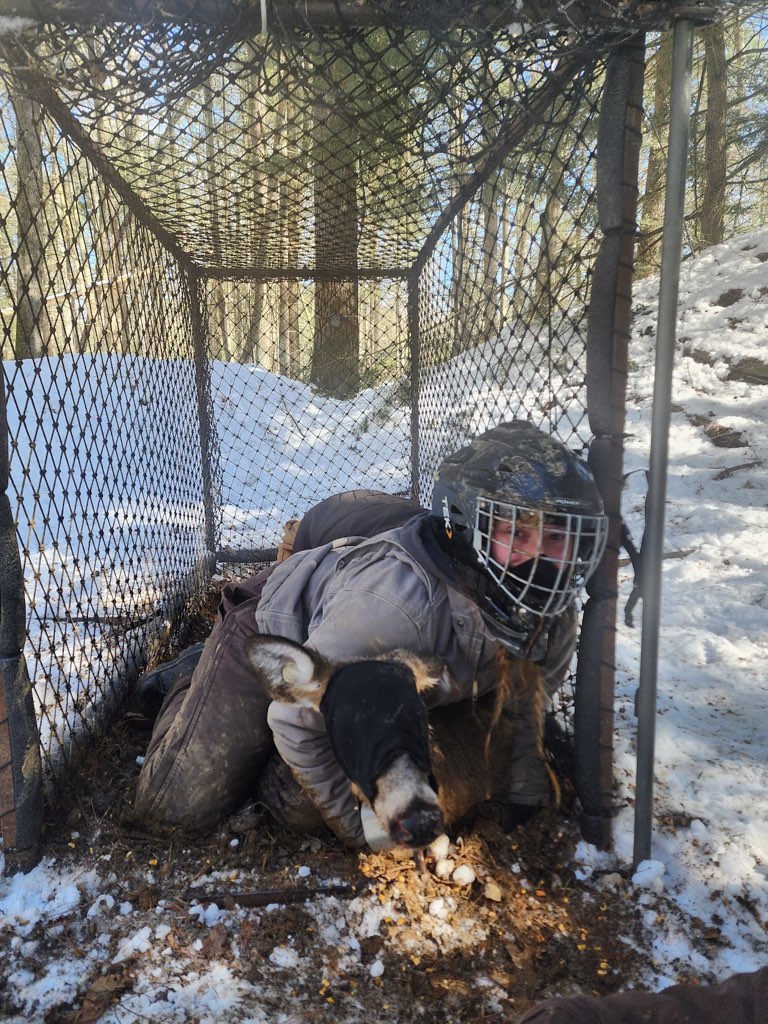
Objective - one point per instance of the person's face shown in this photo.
(512, 546)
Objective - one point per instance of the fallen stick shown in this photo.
(264, 897)
(667, 554)
(734, 469)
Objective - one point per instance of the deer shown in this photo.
(418, 774)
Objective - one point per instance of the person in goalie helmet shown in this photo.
(520, 517)
(486, 581)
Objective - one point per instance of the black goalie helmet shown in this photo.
(524, 512)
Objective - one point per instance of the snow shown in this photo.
(10, 25)
(709, 865)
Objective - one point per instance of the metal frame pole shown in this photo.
(608, 331)
(414, 343)
(653, 542)
(210, 472)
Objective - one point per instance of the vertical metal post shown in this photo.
(21, 777)
(609, 326)
(414, 342)
(653, 541)
(211, 502)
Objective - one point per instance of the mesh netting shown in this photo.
(503, 332)
(337, 151)
(109, 404)
(241, 272)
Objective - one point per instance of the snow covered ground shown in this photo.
(704, 896)
(711, 735)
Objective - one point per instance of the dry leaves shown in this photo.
(103, 993)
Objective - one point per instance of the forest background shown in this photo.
(282, 324)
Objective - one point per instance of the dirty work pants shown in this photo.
(210, 740)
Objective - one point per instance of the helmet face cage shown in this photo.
(540, 560)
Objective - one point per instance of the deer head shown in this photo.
(377, 725)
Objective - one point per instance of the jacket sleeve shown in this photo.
(354, 621)
(301, 742)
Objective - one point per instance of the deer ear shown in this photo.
(288, 672)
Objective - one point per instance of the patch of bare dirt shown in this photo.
(729, 297)
(752, 371)
(720, 435)
(429, 948)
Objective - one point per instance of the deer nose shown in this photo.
(419, 826)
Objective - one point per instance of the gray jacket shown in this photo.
(358, 598)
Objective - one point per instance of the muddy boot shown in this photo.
(286, 801)
(152, 687)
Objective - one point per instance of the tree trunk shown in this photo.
(505, 252)
(110, 300)
(547, 274)
(460, 248)
(289, 291)
(491, 250)
(34, 331)
(335, 355)
(289, 338)
(459, 282)
(255, 334)
(251, 351)
(648, 252)
(524, 232)
(712, 211)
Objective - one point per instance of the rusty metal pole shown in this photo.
(618, 155)
(414, 344)
(21, 775)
